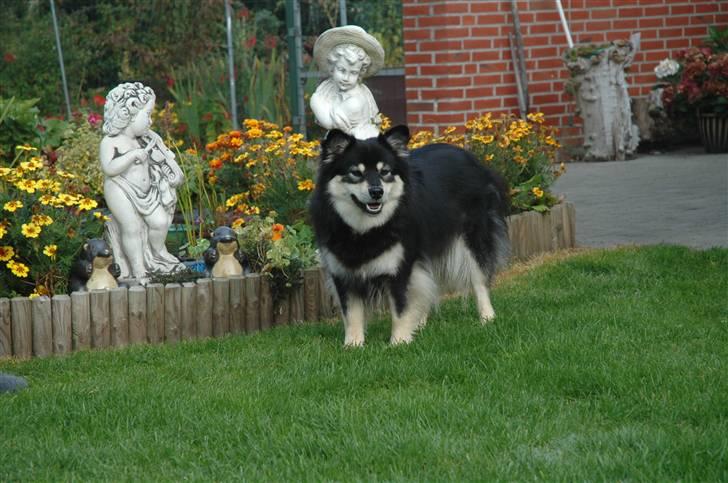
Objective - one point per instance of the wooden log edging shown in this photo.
(209, 308)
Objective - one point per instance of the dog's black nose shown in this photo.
(376, 192)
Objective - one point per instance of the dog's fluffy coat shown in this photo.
(405, 224)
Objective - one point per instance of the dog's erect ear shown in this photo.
(397, 138)
(335, 142)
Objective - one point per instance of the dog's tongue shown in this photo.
(374, 207)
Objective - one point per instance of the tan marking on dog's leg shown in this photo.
(354, 322)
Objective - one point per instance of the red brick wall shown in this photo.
(458, 60)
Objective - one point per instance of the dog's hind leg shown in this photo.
(482, 294)
(412, 298)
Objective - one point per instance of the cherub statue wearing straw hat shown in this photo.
(342, 101)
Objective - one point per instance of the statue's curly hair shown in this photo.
(352, 53)
(123, 103)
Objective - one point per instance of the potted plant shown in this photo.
(696, 84)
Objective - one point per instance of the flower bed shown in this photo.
(158, 313)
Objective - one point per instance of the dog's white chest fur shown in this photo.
(387, 263)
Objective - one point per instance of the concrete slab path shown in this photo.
(677, 198)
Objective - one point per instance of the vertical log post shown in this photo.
(172, 315)
(155, 313)
(6, 327)
(62, 328)
(220, 307)
(42, 327)
(266, 303)
(100, 319)
(252, 303)
(189, 311)
(81, 320)
(237, 304)
(311, 294)
(137, 314)
(297, 308)
(119, 315)
(204, 307)
(22, 321)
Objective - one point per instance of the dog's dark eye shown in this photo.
(385, 172)
(355, 173)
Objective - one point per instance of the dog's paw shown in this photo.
(487, 318)
(353, 342)
(401, 339)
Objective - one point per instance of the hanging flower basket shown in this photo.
(713, 130)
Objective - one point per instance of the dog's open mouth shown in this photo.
(374, 208)
(371, 208)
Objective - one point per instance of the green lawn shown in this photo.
(611, 365)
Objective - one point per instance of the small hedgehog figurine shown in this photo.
(95, 268)
(223, 258)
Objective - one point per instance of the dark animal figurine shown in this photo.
(223, 258)
(95, 268)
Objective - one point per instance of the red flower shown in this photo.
(9, 57)
(99, 100)
(244, 13)
(270, 42)
(170, 81)
(250, 43)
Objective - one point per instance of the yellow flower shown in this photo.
(47, 199)
(44, 184)
(535, 117)
(252, 210)
(4, 172)
(251, 123)
(101, 216)
(305, 185)
(87, 204)
(64, 174)
(34, 295)
(254, 133)
(25, 147)
(50, 250)
(30, 230)
(42, 220)
(68, 200)
(483, 139)
(537, 192)
(6, 253)
(3, 231)
(20, 270)
(238, 223)
(27, 185)
(11, 206)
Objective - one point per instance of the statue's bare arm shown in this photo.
(113, 162)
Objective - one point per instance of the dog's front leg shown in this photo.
(412, 295)
(352, 310)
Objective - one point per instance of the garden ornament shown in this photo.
(348, 54)
(95, 268)
(223, 258)
(141, 177)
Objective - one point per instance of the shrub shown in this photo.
(278, 251)
(523, 151)
(263, 168)
(79, 154)
(42, 227)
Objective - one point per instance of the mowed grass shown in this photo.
(611, 365)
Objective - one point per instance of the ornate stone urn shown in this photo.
(599, 84)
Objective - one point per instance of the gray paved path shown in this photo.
(677, 198)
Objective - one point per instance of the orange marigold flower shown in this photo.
(235, 134)
(305, 185)
(277, 231)
(237, 223)
(215, 163)
(537, 192)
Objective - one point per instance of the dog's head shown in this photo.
(365, 180)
